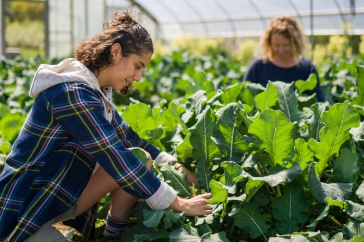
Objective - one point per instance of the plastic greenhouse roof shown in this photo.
(242, 18)
(68, 21)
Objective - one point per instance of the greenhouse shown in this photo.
(182, 120)
(67, 22)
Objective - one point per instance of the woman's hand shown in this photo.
(191, 177)
(195, 206)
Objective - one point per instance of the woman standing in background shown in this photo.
(282, 59)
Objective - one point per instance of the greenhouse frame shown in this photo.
(67, 22)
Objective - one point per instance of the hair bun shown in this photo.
(122, 18)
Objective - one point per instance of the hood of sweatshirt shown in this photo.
(69, 70)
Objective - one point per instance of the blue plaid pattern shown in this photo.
(64, 135)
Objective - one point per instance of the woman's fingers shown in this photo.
(205, 195)
(198, 205)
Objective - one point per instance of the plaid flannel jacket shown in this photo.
(64, 135)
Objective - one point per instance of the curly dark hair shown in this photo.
(95, 54)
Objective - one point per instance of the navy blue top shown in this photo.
(261, 72)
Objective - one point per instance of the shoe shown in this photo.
(104, 238)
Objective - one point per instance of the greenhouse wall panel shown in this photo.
(70, 20)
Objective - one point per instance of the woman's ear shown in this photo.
(115, 50)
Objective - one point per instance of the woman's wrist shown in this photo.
(178, 204)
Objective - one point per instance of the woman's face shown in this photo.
(281, 46)
(123, 70)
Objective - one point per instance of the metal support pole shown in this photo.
(71, 27)
(105, 10)
(311, 27)
(2, 28)
(46, 28)
(86, 18)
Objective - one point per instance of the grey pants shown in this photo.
(48, 233)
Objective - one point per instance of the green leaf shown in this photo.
(250, 220)
(139, 117)
(2, 160)
(290, 209)
(252, 187)
(221, 237)
(4, 110)
(345, 166)
(246, 120)
(204, 149)
(338, 191)
(357, 238)
(338, 120)
(355, 210)
(333, 191)
(359, 99)
(268, 98)
(184, 149)
(358, 133)
(198, 99)
(354, 228)
(176, 179)
(323, 214)
(170, 217)
(200, 82)
(10, 126)
(341, 204)
(5, 147)
(339, 237)
(165, 126)
(231, 171)
(219, 193)
(360, 191)
(191, 234)
(288, 101)
(140, 154)
(231, 94)
(250, 91)
(141, 233)
(303, 154)
(226, 136)
(307, 85)
(174, 113)
(315, 186)
(152, 218)
(302, 237)
(314, 122)
(283, 175)
(276, 134)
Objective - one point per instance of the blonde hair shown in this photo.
(290, 29)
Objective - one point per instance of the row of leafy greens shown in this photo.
(280, 165)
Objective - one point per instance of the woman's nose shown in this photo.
(138, 75)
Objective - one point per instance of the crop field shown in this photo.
(280, 165)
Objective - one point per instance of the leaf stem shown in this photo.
(261, 169)
(223, 214)
(279, 191)
(232, 229)
(335, 221)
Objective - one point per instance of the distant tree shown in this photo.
(22, 11)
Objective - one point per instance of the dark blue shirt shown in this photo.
(262, 72)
